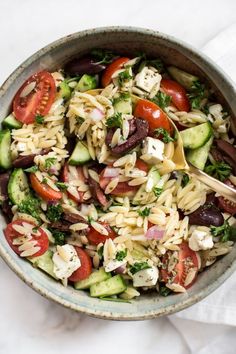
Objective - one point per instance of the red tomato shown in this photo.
(177, 93)
(124, 190)
(38, 101)
(66, 177)
(95, 237)
(153, 115)
(43, 190)
(187, 260)
(85, 269)
(11, 234)
(225, 204)
(141, 165)
(115, 65)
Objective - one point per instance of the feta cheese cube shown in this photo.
(146, 277)
(66, 261)
(153, 149)
(147, 78)
(113, 264)
(200, 240)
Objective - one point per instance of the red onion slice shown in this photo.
(154, 233)
(96, 115)
(111, 172)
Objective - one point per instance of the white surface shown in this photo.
(30, 323)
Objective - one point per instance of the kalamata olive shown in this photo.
(227, 148)
(24, 161)
(174, 175)
(97, 192)
(211, 198)
(4, 178)
(74, 218)
(6, 209)
(84, 65)
(206, 215)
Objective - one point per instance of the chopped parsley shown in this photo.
(219, 170)
(62, 186)
(79, 120)
(31, 206)
(121, 255)
(123, 96)
(31, 169)
(185, 180)
(198, 92)
(145, 212)
(100, 252)
(137, 266)
(54, 212)
(115, 121)
(49, 162)
(225, 231)
(58, 236)
(157, 191)
(103, 56)
(39, 119)
(155, 63)
(123, 77)
(162, 99)
(164, 291)
(90, 219)
(163, 133)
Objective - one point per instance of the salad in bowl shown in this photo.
(95, 183)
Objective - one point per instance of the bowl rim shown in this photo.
(49, 294)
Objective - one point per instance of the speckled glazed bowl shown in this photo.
(125, 40)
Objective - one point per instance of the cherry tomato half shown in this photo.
(35, 97)
(66, 177)
(188, 260)
(114, 66)
(225, 204)
(43, 190)
(95, 237)
(85, 269)
(177, 93)
(40, 237)
(153, 115)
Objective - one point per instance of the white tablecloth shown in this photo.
(32, 324)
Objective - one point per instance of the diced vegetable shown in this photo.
(44, 262)
(182, 77)
(80, 155)
(198, 157)
(197, 136)
(64, 90)
(87, 82)
(10, 122)
(112, 286)
(96, 277)
(18, 186)
(5, 152)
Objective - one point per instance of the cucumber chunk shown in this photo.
(112, 286)
(198, 157)
(87, 82)
(11, 122)
(64, 90)
(5, 149)
(96, 277)
(18, 187)
(185, 79)
(44, 262)
(80, 155)
(153, 178)
(196, 137)
(123, 105)
(129, 293)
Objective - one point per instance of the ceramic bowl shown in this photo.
(125, 40)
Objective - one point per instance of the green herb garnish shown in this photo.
(39, 119)
(31, 206)
(157, 191)
(137, 266)
(163, 133)
(164, 291)
(162, 99)
(115, 121)
(103, 56)
(185, 180)
(62, 186)
(219, 170)
(100, 252)
(50, 161)
(198, 92)
(79, 120)
(31, 169)
(121, 255)
(123, 96)
(225, 231)
(123, 77)
(54, 212)
(58, 236)
(145, 212)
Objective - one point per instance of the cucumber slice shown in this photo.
(18, 187)
(198, 157)
(129, 293)
(153, 178)
(123, 105)
(87, 82)
(11, 122)
(196, 137)
(64, 90)
(5, 149)
(185, 79)
(112, 286)
(96, 277)
(80, 155)
(44, 262)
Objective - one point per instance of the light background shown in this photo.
(29, 323)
